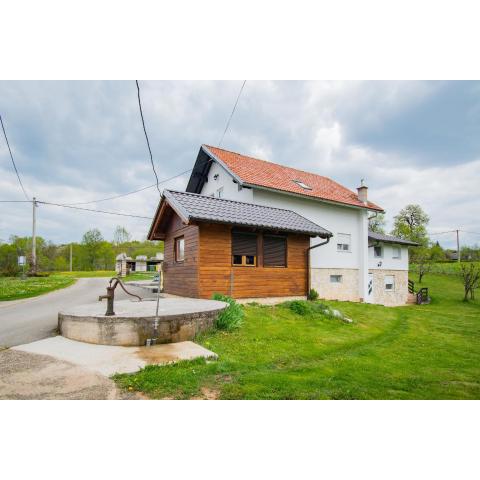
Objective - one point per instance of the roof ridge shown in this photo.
(274, 163)
(239, 201)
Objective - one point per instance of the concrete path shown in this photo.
(24, 321)
(108, 360)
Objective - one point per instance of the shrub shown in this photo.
(300, 307)
(312, 295)
(232, 316)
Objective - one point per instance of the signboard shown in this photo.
(22, 260)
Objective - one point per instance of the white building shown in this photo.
(355, 264)
(125, 264)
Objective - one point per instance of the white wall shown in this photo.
(336, 219)
(388, 262)
(230, 189)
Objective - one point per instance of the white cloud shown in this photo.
(79, 141)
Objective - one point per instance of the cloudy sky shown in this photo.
(413, 142)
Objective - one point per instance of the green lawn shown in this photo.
(442, 268)
(413, 352)
(88, 274)
(14, 288)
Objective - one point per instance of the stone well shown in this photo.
(179, 319)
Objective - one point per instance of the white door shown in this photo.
(370, 288)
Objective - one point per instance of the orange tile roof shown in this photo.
(278, 177)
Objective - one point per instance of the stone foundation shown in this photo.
(347, 290)
(398, 296)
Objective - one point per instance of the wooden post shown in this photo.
(71, 263)
(34, 237)
(458, 247)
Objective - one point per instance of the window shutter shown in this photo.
(274, 251)
(244, 243)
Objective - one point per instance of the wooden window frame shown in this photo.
(176, 248)
(244, 257)
(244, 261)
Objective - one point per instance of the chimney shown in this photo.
(362, 192)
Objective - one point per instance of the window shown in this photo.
(244, 249)
(180, 249)
(343, 242)
(377, 251)
(303, 185)
(396, 252)
(389, 283)
(274, 251)
(335, 278)
(220, 192)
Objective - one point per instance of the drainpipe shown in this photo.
(309, 282)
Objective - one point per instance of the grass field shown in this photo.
(442, 268)
(14, 288)
(412, 352)
(89, 274)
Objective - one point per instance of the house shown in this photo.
(125, 264)
(252, 228)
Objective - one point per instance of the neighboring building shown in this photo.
(125, 264)
(353, 265)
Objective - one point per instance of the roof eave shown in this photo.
(223, 164)
(325, 234)
(317, 199)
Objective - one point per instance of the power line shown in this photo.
(231, 115)
(151, 157)
(15, 201)
(441, 233)
(13, 161)
(92, 210)
(146, 136)
(471, 233)
(134, 191)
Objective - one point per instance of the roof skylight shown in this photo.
(303, 185)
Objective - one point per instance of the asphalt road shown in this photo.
(24, 321)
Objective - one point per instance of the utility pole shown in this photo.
(70, 257)
(458, 247)
(34, 236)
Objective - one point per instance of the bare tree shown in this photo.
(471, 280)
(421, 256)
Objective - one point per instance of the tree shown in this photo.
(411, 224)
(377, 223)
(423, 259)
(437, 253)
(8, 260)
(471, 280)
(92, 242)
(120, 235)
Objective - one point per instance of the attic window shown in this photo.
(303, 185)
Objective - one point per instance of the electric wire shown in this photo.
(231, 115)
(13, 161)
(92, 210)
(146, 136)
(132, 192)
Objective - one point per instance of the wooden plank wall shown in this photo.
(216, 273)
(181, 278)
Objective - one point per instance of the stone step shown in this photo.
(411, 299)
